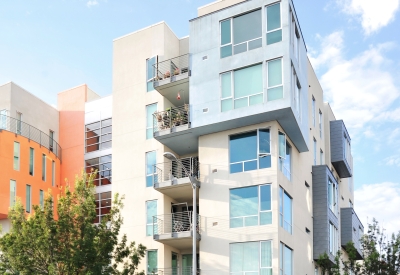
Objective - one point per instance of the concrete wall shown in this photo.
(217, 5)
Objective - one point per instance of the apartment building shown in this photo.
(236, 112)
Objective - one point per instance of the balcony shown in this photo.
(172, 120)
(175, 229)
(171, 179)
(21, 128)
(172, 76)
(351, 230)
(174, 271)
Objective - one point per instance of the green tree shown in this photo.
(70, 244)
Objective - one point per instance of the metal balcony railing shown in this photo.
(176, 169)
(174, 223)
(172, 117)
(173, 271)
(171, 67)
(21, 128)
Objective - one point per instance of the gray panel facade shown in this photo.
(338, 132)
(351, 229)
(321, 213)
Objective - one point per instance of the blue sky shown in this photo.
(48, 46)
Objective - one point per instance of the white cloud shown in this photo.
(380, 201)
(91, 3)
(390, 116)
(392, 160)
(373, 15)
(359, 89)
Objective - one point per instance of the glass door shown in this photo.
(187, 264)
(174, 263)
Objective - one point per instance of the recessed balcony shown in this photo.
(176, 229)
(173, 178)
(172, 76)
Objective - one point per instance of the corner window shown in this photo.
(44, 167)
(250, 151)
(250, 258)
(241, 88)
(151, 211)
(150, 73)
(240, 34)
(13, 192)
(274, 26)
(333, 196)
(152, 265)
(103, 165)
(285, 260)
(16, 156)
(151, 160)
(103, 205)
(274, 79)
(150, 110)
(285, 210)
(99, 135)
(31, 160)
(285, 156)
(28, 198)
(250, 206)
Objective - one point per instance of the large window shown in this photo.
(151, 210)
(250, 206)
(285, 210)
(242, 88)
(103, 165)
(43, 167)
(150, 110)
(274, 26)
(333, 239)
(250, 151)
(28, 198)
(99, 135)
(285, 156)
(150, 73)
(13, 192)
(152, 265)
(333, 196)
(285, 260)
(274, 79)
(243, 33)
(151, 160)
(103, 205)
(16, 156)
(251, 258)
(31, 160)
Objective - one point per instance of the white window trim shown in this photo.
(152, 119)
(283, 209)
(266, 17)
(152, 224)
(30, 199)
(267, 80)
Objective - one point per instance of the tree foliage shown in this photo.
(70, 244)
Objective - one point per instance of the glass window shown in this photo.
(41, 198)
(333, 239)
(19, 123)
(315, 151)
(3, 119)
(150, 110)
(44, 167)
(246, 31)
(16, 156)
(296, 93)
(274, 27)
(150, 73)
(285, 210)
(321, 157)
(98, 135)
(53, 173)
(245, 89)
(151, 210)
(13, 192)
(250, 151)
(285, 156)
(250, 258)
(333, 196)
(250, 206)
(347, 149)
(295, 38)
(51, 140)
(31, 160)
(313, 110)
(320, 124)
(103, 205)
(28, 197)
(152, 266)
(103, 165)
(285, 260)
(274, 80)
(151, 160)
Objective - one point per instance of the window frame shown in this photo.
(147, 260)
(282, 258)
(13, 183)
(151, 120)
(259, 211)
(282, 165)
(44, 168)
(28, 198)
(315, 150)
(18, 128)
(17, 156)
(152, 217)
(258, 150)
(266, 22)
(220, 36)
(276, 86)
(41, 198)
(102, 168)
(146, 164)
(51, 140)
(295, 36)
(282, 220)
(296, 86)
(320, 123)
(333, 192)
(31, 161)
(321, 157)
(107, 136)
(148, 80)
(313, 109)
(99, 199)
